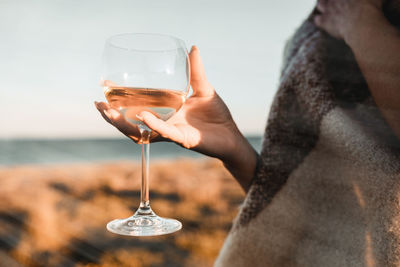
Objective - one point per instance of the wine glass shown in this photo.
(145, 72)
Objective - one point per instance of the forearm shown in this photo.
(242, 163)
(376, 46)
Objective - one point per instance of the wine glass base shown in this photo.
(144, 225)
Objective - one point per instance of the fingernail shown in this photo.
(194, 48)
(139, 117)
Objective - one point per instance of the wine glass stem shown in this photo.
(144, 207)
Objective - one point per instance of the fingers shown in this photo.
(321, 9)
(109, 114)
(102, 107)
(198, 79)
(318, 20)
(115, 118)
(321, 5)
(161, 127)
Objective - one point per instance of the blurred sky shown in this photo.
(50, 56)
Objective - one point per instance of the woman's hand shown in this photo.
(203, 124)
(340, 18)
(375, 44)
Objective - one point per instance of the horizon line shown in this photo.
(58, 138)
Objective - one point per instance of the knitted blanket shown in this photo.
(327, 191)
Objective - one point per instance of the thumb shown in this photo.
(161, 127)
(198, 79)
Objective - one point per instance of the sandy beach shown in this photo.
(55, 215)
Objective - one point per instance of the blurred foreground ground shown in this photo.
(56, 215)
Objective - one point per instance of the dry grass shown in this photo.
(56, 215)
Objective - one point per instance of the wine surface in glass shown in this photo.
(130, 101)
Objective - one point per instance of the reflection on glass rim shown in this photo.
(179, 43)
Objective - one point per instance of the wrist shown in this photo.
(242, 161)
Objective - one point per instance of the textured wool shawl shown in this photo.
(327, 190)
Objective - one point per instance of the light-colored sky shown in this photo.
(50, 56)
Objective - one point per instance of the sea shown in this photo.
(55, 151)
